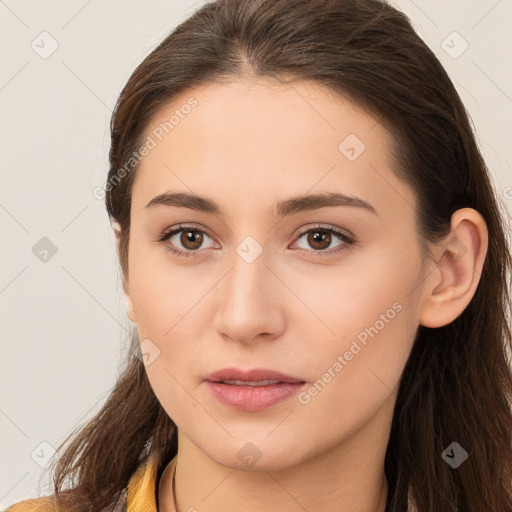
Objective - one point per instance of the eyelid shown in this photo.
(299, 233)
(343, 231)
(181, 226)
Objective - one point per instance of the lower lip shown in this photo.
(253, 398)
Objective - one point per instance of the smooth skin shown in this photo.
(298, 306)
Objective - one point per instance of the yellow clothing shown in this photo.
(142, 493)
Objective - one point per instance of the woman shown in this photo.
(316, 265)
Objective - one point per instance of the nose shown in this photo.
(250, 301)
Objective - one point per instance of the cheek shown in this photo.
(371, 314)
(361, 294)
(161, 293)
(359, 373)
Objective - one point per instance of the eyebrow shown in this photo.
(280, 209)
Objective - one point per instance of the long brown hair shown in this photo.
(457, 383)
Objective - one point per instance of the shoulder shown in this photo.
(43, 504)
(49, 504)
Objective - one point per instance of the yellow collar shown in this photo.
(142, 488)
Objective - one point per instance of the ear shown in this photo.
(129, 305)
(459, 261)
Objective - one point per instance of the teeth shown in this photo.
(251, 383)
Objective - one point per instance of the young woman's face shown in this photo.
(262, 287)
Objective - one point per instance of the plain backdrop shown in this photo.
(63, 319)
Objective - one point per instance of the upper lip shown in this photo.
(253, 375)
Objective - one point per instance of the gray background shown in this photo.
(63, 320)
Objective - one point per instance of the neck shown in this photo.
(348, 477)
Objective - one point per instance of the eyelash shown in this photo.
(348, 240)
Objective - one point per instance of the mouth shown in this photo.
(256, 376)
(254, 383)
(254, 390)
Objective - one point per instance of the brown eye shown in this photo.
(319, 240)
(184, 240)
(191, 239)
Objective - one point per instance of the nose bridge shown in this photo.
(249, 273)
(247, 298)
(249, 261)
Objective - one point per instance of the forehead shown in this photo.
(253, 140)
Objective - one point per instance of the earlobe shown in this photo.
(117, 232)
(459, 261)
(129, 305)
